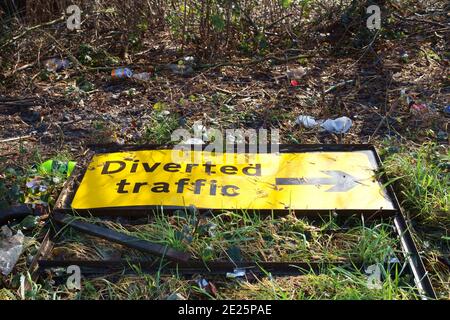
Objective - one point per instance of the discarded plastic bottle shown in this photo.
(55, 64)
(51, 166)
(143, 76)
(121, 73)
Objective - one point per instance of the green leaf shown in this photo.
(218, 22)
(29, 222)
(286, 3)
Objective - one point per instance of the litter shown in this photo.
(55, 64)
(338, 126)
(295, 74)
(208, 286)
(237, 273)
(202, 283)
(189, 60)
(11, 247)
(52, 166)
(294, 83)
(143, 76)
(121, 73)
(418, 108)
(306, 121)
(176, 296)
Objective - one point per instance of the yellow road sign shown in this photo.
(305, 180)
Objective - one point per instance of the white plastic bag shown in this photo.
(338, 126)
(11, 247)
(306, 121)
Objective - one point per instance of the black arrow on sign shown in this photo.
(341, 181)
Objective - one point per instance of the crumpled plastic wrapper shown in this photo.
(11, 247)
(306, 121)
(338, 126)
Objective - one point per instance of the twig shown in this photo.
(388, 114)
(443, 25)
(340, 84)
(43, 251)
(28, 102)
(26, 66)
(15, 139)
(25, 103)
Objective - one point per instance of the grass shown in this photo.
(249, 236)
(423, 177)
(422, 184)
(242, 236)
(159, 128)
(335, 283)
(347, 247)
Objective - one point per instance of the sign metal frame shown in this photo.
(409, 248)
